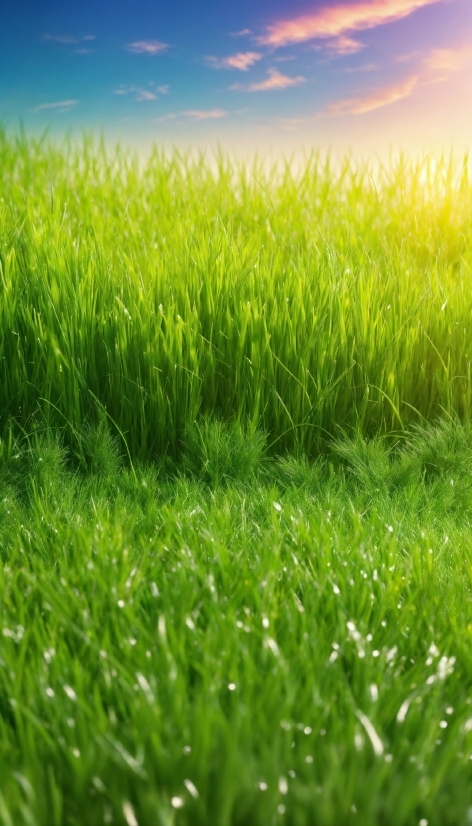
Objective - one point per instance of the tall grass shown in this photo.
(298, 303)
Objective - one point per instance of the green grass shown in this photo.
(299, 304)
(235, 491)
(262, 636)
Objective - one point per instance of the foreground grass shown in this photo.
(338, 297)
(236, 642)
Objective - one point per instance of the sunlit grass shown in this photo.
(334, 298)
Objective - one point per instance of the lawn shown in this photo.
(235, 491)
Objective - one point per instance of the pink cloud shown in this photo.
(147, 47)
(383, 96)
(241, 61)
(343, 45)
(442, 63)
(275, 80)
(337, 20)
(437, 67)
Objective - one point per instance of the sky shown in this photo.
(264, 75)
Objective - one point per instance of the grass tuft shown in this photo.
(100, 451)
(219, 453)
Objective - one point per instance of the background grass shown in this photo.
(235, 491)
(340, 297)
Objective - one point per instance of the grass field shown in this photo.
(235, 491)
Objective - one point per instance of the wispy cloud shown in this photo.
(169, 116)
(437, 67)
(293, 124)
(364, 67)
(59, 106)
(205, 114)
(440, 64)
(380, 97)
(275, 80)
(67, 39)
(241, 61)
(141, 94)
(147, 47)
(336, 21)
(242, 33)
(63, 39)
(193, 114)
(406, 58)
(342, 45)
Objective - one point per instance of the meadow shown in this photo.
(235, 490)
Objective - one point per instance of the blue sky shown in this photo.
(251, 74)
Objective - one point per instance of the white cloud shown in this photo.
(194, 114)
(59, 106)
(151, 47)
(205, 114)
(68, 39)
(141, 94)
(145, 94)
